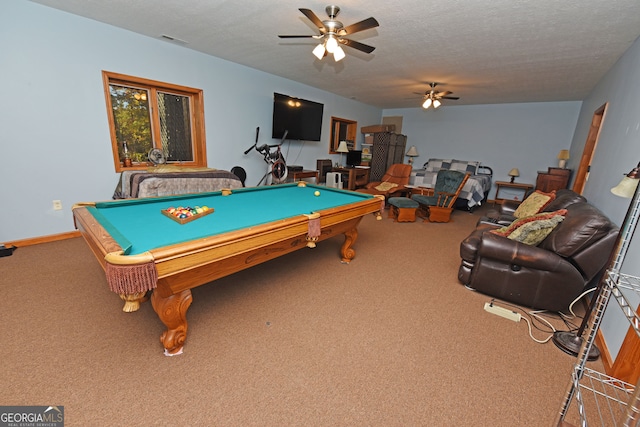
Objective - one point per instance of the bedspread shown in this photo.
(134, 184)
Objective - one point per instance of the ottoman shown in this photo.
(402, 209)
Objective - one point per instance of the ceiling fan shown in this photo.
(431, 97)
(332, 33)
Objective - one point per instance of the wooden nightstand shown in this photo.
(526, 188)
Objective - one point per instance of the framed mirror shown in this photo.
(342, 130)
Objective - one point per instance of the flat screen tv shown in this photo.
(354, 158)
(301, 119)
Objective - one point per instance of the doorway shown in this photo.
(589, 149)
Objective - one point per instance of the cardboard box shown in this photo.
(393, 120)
(378, 128)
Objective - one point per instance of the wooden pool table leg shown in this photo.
(347, 252)
(172, 311)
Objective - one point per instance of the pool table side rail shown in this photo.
(210, 258)
(100, 241)
(193, 260)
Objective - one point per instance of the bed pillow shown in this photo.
(465, 166)
(534, 229)
(534, 204)
(434, 165)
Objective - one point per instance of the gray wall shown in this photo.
(618, 151)
(504, 136)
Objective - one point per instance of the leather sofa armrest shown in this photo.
(508, 207)
(516, 253)
(470, 245)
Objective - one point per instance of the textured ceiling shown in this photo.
(484, 51)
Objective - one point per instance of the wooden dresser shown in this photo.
(553, 179)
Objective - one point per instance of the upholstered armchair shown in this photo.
(438, 207)
(392, 183)
(548, 275)
(506, 213)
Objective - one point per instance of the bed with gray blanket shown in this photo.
(163, 181)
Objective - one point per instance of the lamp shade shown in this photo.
(319, 51)
(563, 156)
(338, 54)
(342, 147)
(627, 187)
(332, 44)
(413, 152)
(513, 173)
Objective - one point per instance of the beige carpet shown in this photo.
(391, 339)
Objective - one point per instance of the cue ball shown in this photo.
(317, 193)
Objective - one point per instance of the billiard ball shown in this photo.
(317, 193)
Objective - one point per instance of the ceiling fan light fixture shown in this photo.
(318, 51)
(332, 44)
(436, 103)
(427, 103)
(338, 54)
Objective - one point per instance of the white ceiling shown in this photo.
(484, 51)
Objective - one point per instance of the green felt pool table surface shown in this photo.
(138, 224)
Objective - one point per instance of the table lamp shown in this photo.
(563, 156)
(513, 173)
(342, 147)
(413, 152)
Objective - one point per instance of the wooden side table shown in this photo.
(359, 174)
(296, 176)
(526, 188)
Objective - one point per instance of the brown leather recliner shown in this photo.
(397, 173)
(549, 276)
(504, 215)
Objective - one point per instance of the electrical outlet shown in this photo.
(57, 205)
(502, 312)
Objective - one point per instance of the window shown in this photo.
(342, 130)
(146, 114)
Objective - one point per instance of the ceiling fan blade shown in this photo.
(294, 37)
(357, 45)
(449, 97)
(365, 24)
(443, 93)
(313, 18)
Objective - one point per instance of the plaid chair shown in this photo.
(438, 207)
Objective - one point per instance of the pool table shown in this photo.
(143, 250)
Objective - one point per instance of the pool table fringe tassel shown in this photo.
(314, 230)
(131, 279)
